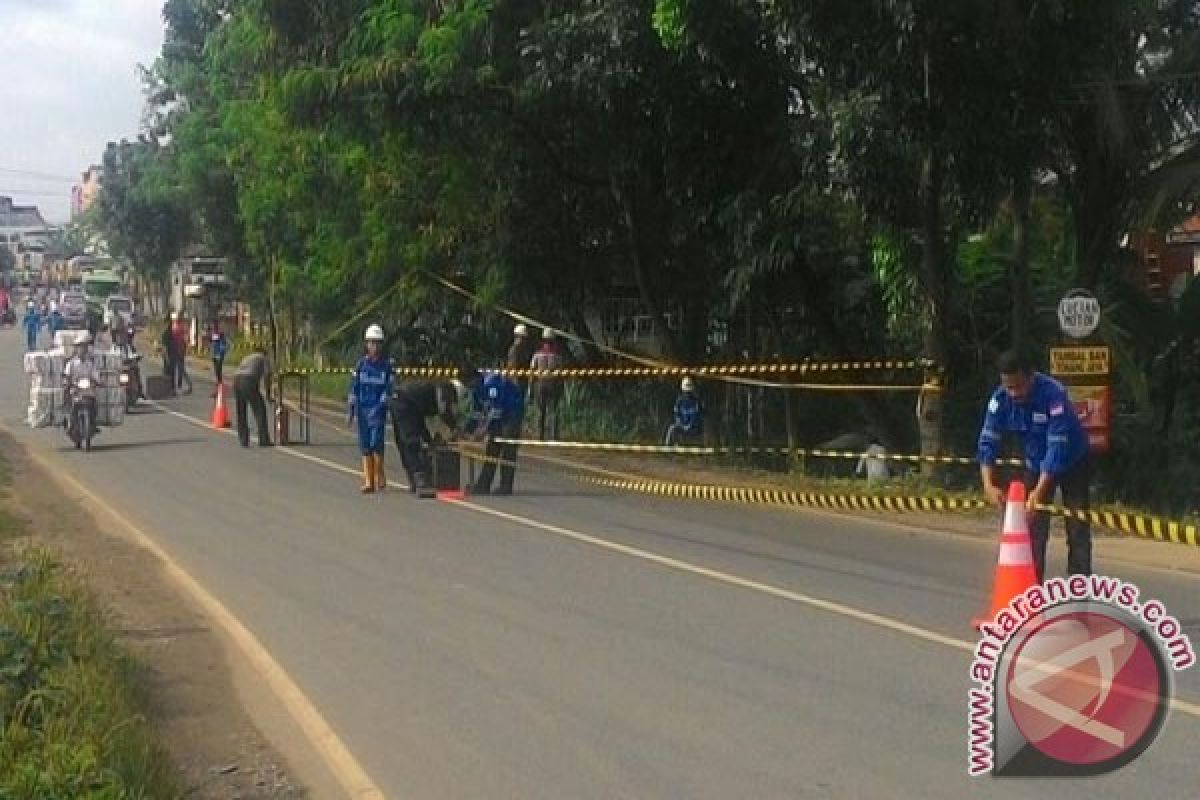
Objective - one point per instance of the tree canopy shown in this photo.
(798, 179)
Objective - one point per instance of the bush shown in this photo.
(70, 725)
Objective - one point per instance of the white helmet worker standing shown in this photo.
(520, 330)
(368, 404)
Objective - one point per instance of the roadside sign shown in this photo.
(1079, 314)
(1093, 406)
(1078, 361)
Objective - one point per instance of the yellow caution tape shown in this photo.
(784, 497)
(621, 447)
(1141, 525)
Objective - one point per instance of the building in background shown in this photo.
(24, 232)
(84, 194)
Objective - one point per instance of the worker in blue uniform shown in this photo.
(32, 323)
(370, 393)
(499, 406)
(1035, 408)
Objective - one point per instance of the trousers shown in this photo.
(1075, 495)
(246, 393)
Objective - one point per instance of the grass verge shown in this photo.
(72, 701)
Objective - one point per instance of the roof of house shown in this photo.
(12, 216)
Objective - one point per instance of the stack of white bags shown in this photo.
(47, 396)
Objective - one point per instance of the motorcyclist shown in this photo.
(129, 357)
(83, 365)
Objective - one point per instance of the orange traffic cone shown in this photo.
(220, 417)
(1015, 571)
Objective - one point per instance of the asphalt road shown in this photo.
(570, 642)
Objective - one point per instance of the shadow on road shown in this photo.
(99, 445)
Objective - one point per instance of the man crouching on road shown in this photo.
(1036, 408)
(413, 403)
(254, 369)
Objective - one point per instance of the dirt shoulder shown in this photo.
(196, 691)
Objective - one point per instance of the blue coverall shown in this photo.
(32, 322)
(1054, 442)
(370, 392)
(499, 407)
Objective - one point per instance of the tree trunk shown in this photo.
(930, 418)
(1019, 267)
(641, 261)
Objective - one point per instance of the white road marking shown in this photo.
(829, 606)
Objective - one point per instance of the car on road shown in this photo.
(118, 312)
(73, 308)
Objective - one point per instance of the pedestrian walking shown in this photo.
(500, 407)
(32, 323)
(370, 393)
(255, 370)
(1036, 408)
(179, 332)
(547, 389)
(218, 347)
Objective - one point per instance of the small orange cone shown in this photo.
(220, 417)
(1015, 571)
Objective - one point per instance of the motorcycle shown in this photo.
(81, 417)
(131, 380)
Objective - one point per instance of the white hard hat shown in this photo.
(547, 333)
(174, 315)
(520, 330)
(374, 334)
(688, 385)
(83, 337)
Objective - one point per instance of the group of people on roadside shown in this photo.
(497, 411)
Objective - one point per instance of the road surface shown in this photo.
(570, 642)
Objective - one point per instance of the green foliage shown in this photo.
(798, 179)
(70, 721)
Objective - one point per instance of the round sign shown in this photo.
(1079, 314)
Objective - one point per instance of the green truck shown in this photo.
(98, 286)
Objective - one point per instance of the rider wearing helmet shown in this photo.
(370, 390)
(83, 366)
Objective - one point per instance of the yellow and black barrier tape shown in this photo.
(698, 371)
(801, 452)
(1143, 526)
(785, 497)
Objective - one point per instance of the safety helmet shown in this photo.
(374, 334)
(53, 305)
(520, 330)
(548, 334)
(83, 337)
(174, 316)
(688, 385)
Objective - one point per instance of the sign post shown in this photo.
(1085, 367)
